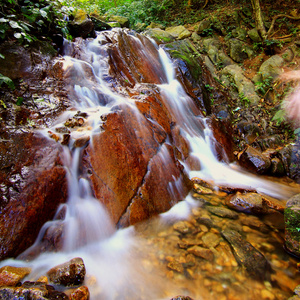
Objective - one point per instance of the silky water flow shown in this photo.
(117, 261)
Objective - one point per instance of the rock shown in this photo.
(207, 254)
(292, 229)
(11, 276)
(245, 87)
(277, 168)
(240, 34)
(182, 227)
(254, 36)
(272, 67)
(82, 141)
(214, 49)
(33, 184)
(159, 35)
(195, 37)
(203, 25)
(238, 50)
(156, 25)
(68, 274)
(25, 63)
(246, 255)
(114, 24)
(181, 298)
(210, 240)
(82, 293)
(255, 161)
(293, 201)
(100, 25)
(179, 32)
(255, 223)
(82, 26)
(202, 189)
(249, 203)
(176, 266)
(223, 212)
(123, 21)
(32, 290)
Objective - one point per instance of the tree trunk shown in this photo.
(260, 26)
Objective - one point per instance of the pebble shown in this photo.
(267, 295)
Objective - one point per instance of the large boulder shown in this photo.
(292, 225)
(179, 32)
(33, 184)
(246, 89)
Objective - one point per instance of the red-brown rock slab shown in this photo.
(33, 184)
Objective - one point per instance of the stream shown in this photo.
(184, 250)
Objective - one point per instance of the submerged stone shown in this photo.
(246, 255)
(223, 212)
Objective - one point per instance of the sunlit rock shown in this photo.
(10, 276)
(248, 202)
(82, 293)
(159, 35)
(68, 274)
(179, 32)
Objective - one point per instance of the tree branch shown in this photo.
(280, 16)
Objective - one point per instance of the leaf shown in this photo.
(2, 56)
(3, 20)
(43, 13)
(17, 35)
(20, 101)
(3, 104)
(14, 24)
(6, 80)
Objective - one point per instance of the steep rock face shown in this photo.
(131, 166)
(33, 183)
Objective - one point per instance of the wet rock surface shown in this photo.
(33, 184)
(32, 290)
(68, 274)
(11, 276)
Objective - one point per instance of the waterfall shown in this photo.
(114, 258)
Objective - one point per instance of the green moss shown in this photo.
(292, 222)
(185, 51)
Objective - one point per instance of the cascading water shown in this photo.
(115, 259)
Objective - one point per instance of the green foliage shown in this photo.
(264, 86)
(279, 117)
(244, 99)
(28, 20)
(7, 81)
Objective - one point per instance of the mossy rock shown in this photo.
(292, 229)
(123, 21)
(184, 50)
(159, 35)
